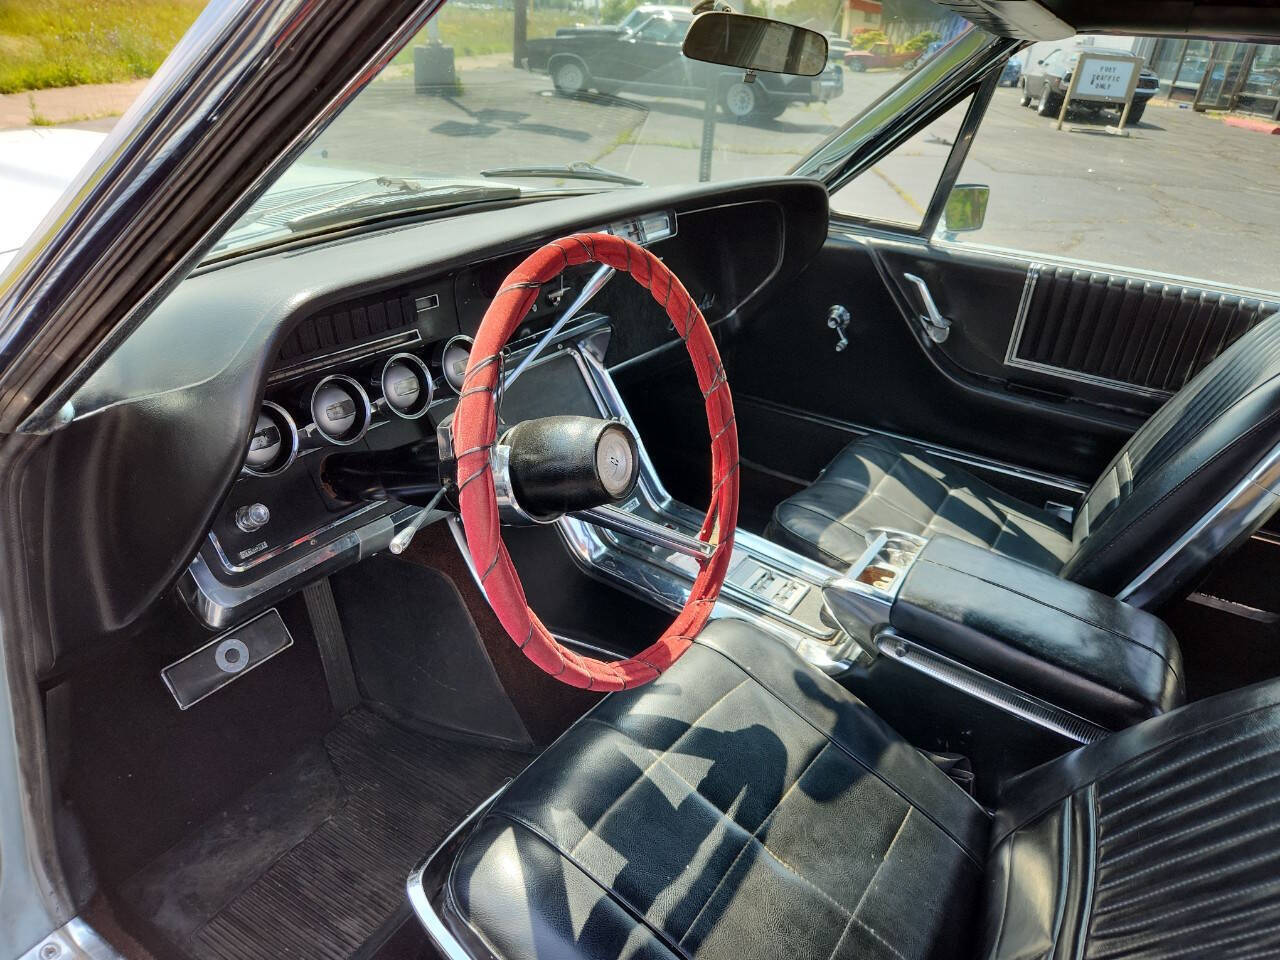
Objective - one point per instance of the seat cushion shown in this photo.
(743, 805)
(1161, 841)
(883, 483)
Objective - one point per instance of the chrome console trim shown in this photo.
(1225, 524)
(989, 690)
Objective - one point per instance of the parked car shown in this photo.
(1046, 79)
(634, 19)
(1011, 73)
(837, 48)
(647, 59)
(880, 55)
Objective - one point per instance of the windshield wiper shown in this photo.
(406, 196)
(579, 170)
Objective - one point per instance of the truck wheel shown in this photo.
(1136, 110)
(569, 78)
(1048, 105)
(741, 100)
(1026, 97)
(857, 66)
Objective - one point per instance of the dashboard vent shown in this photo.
(349, 323)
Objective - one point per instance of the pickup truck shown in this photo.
(647, 59)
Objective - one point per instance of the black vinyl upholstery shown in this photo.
(740, 805)
(1191, 453)
(878, 482)
(746, 806)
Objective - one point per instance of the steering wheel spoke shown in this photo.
(632, 525)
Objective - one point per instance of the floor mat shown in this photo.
(313, 861)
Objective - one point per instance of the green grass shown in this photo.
(472, 31)
(59, 43)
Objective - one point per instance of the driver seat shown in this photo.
(745, 805)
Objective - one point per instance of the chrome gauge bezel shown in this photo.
(444, 352)
(365, 411)
(428, 381)
(294, 442)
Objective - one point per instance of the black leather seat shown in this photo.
(745, 805)
(1188, 456)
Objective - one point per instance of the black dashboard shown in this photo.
(225, 400)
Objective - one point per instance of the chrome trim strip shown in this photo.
(987, 689)
(1230, 520)
(1020, 318)
(1234, 608)
(360, 351)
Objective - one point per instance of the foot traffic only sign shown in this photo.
(1103, 78)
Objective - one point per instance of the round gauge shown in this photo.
(406, 385)
(340, 409)
(615, 461)
(273, 443)
(454, 361)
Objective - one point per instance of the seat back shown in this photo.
(1179, 492)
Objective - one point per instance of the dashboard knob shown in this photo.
(253, 517)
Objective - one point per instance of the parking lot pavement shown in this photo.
(1184, 194)
(504, 116)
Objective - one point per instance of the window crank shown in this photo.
(838, 320)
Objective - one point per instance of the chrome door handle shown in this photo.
(935, 324)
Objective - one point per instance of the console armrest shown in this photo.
(1081, 650)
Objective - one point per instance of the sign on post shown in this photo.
(1107, 78)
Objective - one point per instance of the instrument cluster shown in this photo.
(338, 409)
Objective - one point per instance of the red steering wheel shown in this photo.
(475, 427)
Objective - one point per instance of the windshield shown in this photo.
(595, 97)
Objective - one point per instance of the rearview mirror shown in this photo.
(756, 43)
(966, 208)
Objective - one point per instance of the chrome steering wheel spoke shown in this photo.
(632, 525)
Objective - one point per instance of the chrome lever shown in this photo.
(935, 324)
(589, 290)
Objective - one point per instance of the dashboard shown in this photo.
(224, 403)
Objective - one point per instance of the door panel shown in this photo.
(1048, 368)
(1143, 334)
(798, 399)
